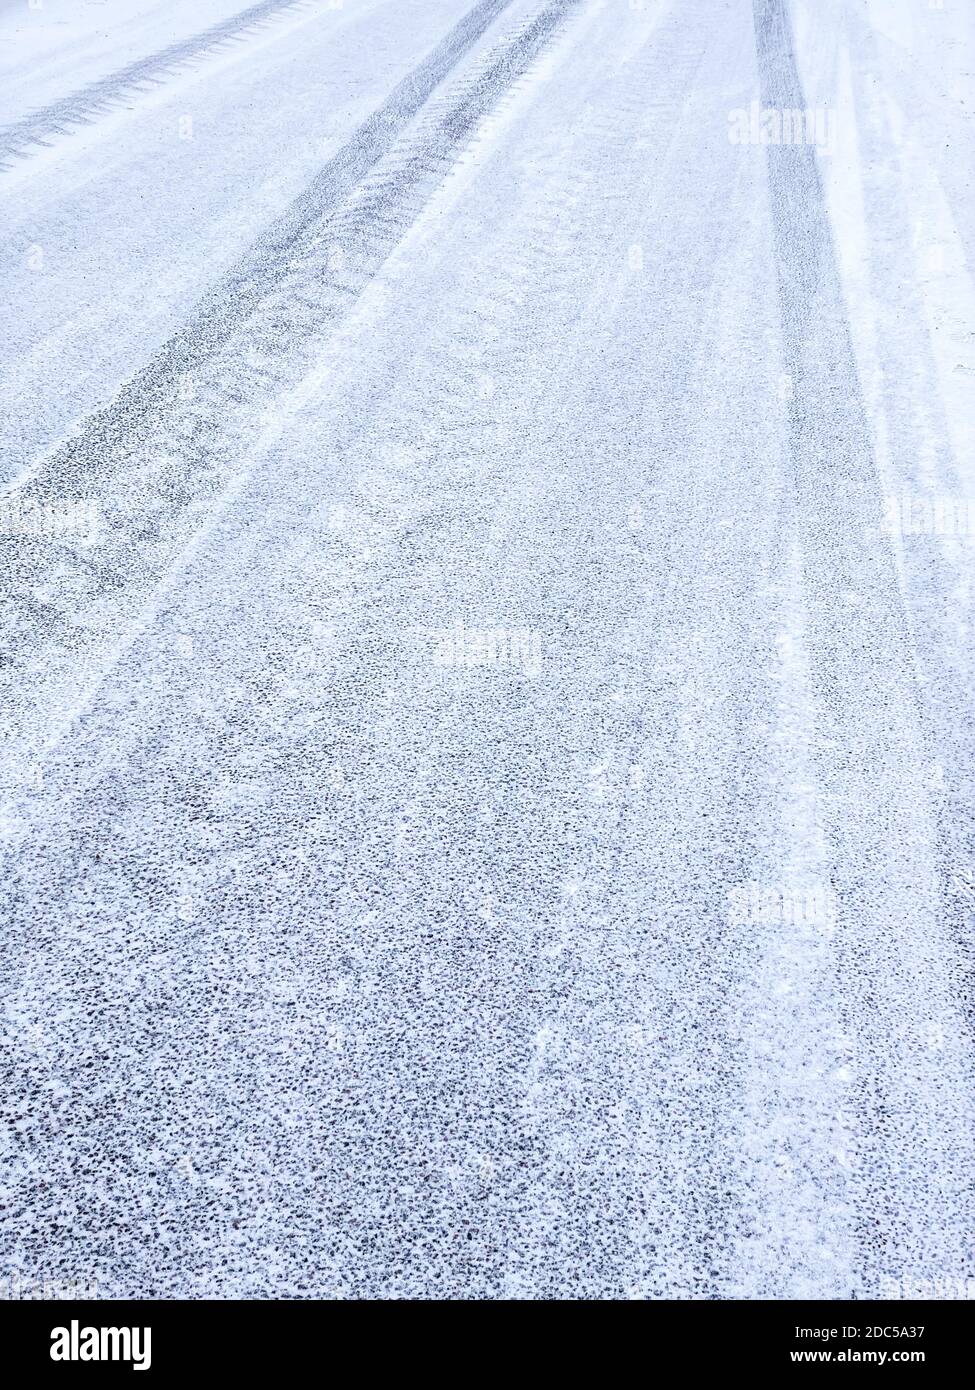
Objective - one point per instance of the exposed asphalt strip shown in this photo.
(897, 958)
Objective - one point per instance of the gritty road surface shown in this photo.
(486, 567)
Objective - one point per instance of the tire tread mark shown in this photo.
(80, 107)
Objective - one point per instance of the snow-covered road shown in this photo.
(487, 582)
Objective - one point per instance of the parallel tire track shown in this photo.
(178, 432)
(896, 956)
(80, 108)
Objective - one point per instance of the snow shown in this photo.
(487, 807)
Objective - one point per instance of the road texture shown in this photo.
(487, 586)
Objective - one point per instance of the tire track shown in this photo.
(491, 1109)
(896, 960)
(922, 463)
(82, 107)
(152, 462)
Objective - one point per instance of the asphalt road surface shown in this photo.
(486, 574)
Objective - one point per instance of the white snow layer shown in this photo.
(487, 778)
